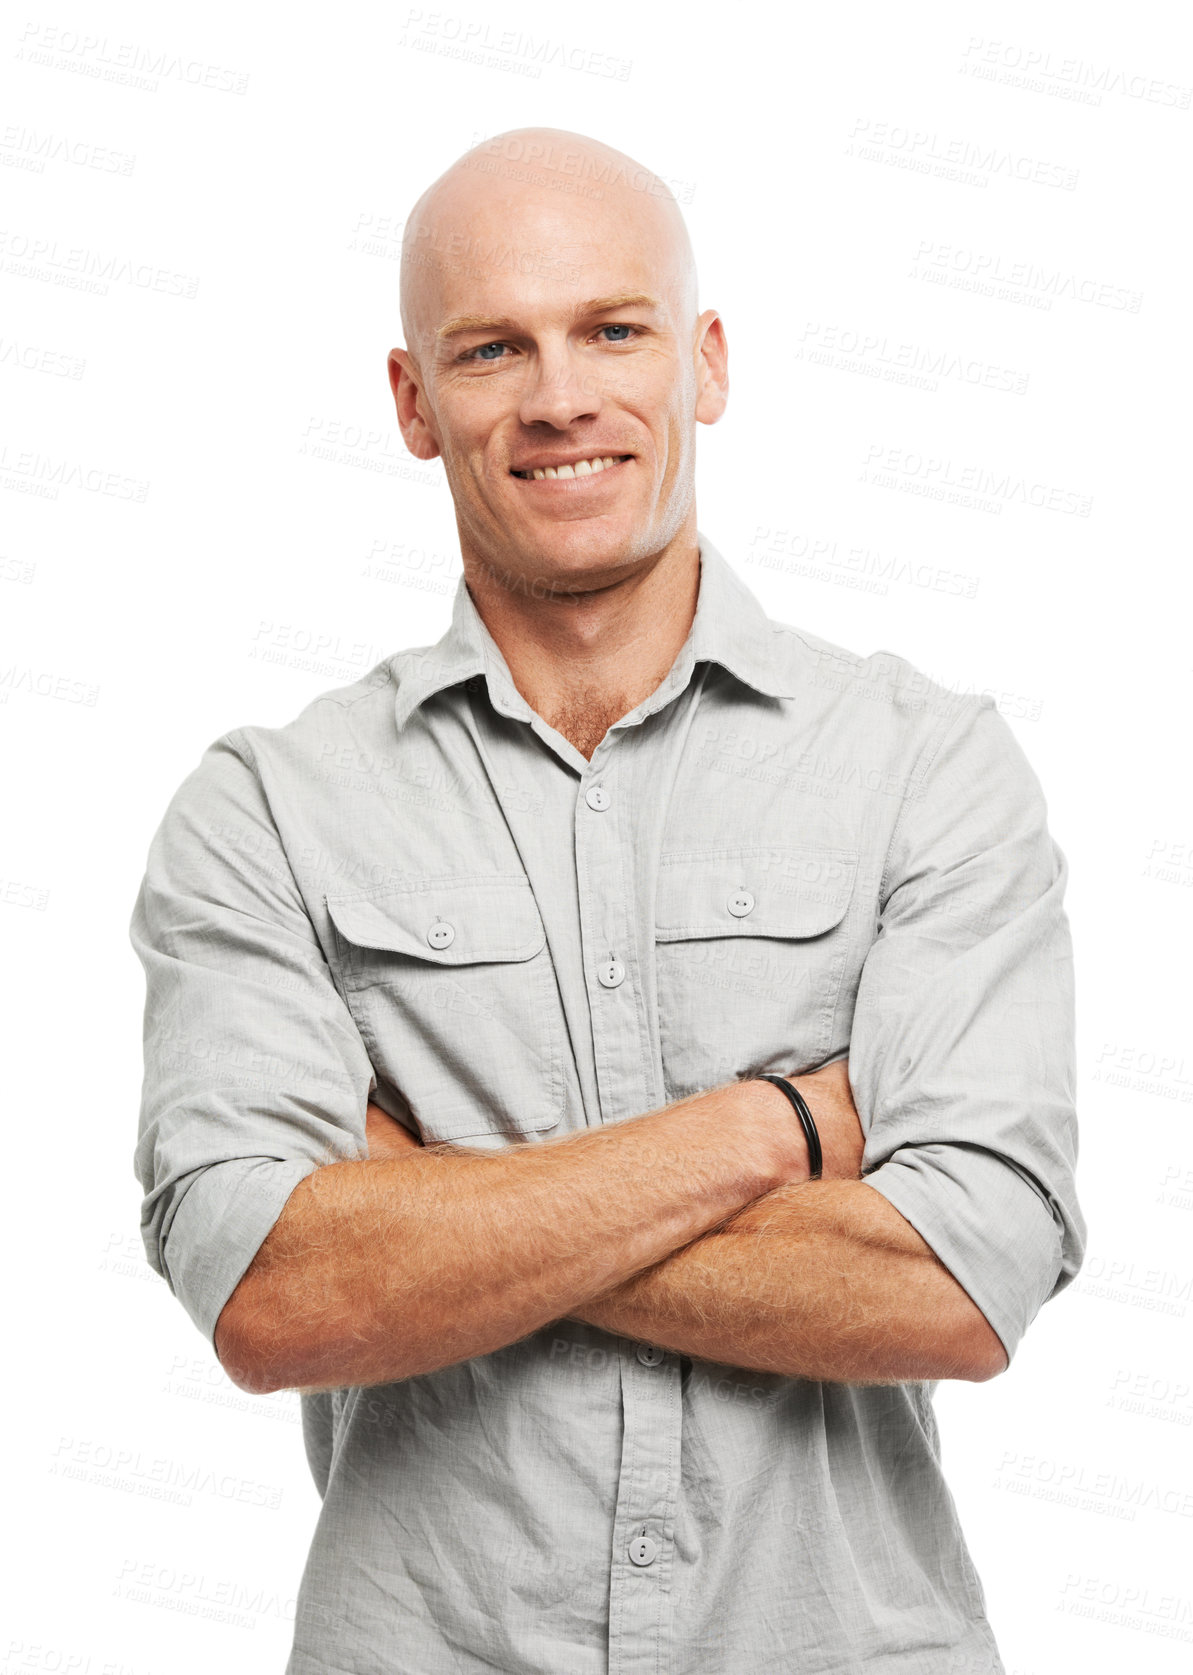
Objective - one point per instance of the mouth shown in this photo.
(576, 468)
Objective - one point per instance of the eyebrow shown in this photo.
(595, 305)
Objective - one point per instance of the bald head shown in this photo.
(535, 204)
(555, 360)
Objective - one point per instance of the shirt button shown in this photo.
(597, 797)
(650, 1354)
(610, 974)
(441, 934)
(740, 903)
(643, 1550)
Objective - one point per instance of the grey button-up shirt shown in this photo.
(419, 891)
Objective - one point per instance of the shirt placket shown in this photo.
(608, 840)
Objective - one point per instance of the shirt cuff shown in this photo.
(221, 1222)
(990, 1227)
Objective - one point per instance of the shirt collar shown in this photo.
(730, 628)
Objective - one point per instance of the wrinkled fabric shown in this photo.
(790, 854)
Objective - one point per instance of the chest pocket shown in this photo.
(452, 988)
(751, 947)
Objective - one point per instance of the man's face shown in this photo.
(559, 372)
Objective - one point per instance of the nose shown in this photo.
(559, 392)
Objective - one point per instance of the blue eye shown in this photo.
(491, 353)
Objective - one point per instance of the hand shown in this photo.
(829, 1097)
(386, 1136)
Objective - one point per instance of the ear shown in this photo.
(712, 368)
(410, 401)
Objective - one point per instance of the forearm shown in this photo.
(381, 1269)
(824, 1280)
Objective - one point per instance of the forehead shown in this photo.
(486, 249)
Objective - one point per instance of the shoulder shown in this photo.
(244, 770)
(880, 693)
(355, 714)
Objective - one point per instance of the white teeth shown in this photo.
(582, 468)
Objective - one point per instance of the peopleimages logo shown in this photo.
(1065, 76)
(127, 62)
(876, 355)
(952, 155)
(576, 169)
(940, 478)
(79, 269)
(990, 274)
(478, 41)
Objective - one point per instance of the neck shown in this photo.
(584, 658)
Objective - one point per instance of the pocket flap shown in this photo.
(449, 921)
(768, 890)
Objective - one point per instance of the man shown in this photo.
(595, 1374)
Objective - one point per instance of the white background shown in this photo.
(209, 517)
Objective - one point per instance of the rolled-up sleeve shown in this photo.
(255, 1074)
(962, 1046)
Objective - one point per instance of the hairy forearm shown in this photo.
(824, 1280)
(385, 1268)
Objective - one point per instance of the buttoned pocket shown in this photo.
(451, 985)
(751, 946)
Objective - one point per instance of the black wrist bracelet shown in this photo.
(800, 1105)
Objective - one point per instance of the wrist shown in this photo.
(788, 1142)
(802, 1113)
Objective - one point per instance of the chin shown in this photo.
(585, 541)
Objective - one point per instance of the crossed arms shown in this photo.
(924, 1255)
(821, 1279)
(693, 1226)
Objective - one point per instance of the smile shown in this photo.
(580, 468)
